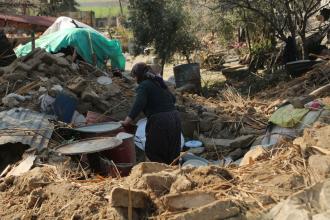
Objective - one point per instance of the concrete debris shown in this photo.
(13, 100)
(217, 210)
(320, 166)
(240, 142)
(194, 199)
(311, 203)
(160, 183)
(252, 155)
(318, 136)
(41, 73)
(120, 197)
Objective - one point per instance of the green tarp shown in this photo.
(85, 41)
(288, 116)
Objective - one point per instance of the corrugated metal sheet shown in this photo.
(39, 23)
(24, 126)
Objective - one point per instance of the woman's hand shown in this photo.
(128, 121)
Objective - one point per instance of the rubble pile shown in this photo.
(169, 192)
(300, 86)
(41, 73)
(247, 116)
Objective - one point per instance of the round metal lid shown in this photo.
(124, 135)
(99, 127)
(89, 146)
(194, 163)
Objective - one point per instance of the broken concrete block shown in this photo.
(77, 85)
(320, 164)
(252, 155)
(188, 200)
(148, 167)
(215, 211)
(159, 183)
(119, 197)
(240, 142)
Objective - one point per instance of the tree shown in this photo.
(163, 24)
(284, 16)
(56, 6)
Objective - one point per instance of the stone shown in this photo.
(252, 155)
(236, 154)
(188, 200)
(89, 96)
(77, 85)
(119, 197)
(320, 164)
(47, 58)
(299, 205)
(181, 184)
(111, 90)
(215, 211)
(321, 216)
(318, 136)
(324, 196)
(240, 142)
(61, 61)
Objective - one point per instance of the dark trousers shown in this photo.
(163, 134)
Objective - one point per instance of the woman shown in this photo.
(163, 130)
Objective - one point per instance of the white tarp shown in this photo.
(140, 134)
(62, 23)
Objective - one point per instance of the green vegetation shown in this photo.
(104, 11)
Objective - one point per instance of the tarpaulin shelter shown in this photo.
(87, 43)
(63, 23)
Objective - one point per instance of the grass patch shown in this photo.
(101, 12)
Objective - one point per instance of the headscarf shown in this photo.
(144, 72)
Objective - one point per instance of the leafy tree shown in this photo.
(53, 7)
(284, 16)
(163, 24)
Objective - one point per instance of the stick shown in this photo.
(118, 173)
(7, 89)
(130, 209)
(176, 159)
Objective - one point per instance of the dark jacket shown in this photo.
(152, 99)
